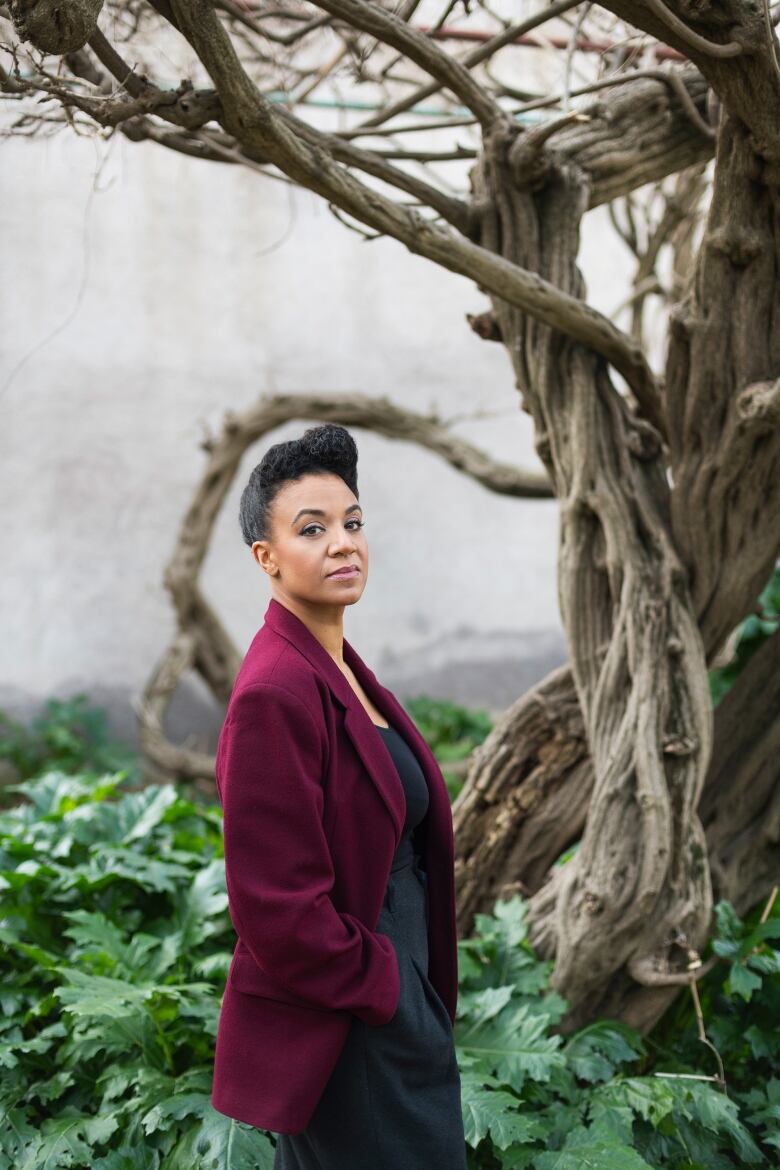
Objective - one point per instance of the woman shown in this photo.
(335, 1029)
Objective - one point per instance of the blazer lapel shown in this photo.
(358, 723)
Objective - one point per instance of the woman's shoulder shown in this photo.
(275, 671)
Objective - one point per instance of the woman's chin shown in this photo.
(344, 592)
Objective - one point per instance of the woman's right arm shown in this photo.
(278, 866)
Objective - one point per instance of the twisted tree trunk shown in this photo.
(651, 579)
(640, 873)
(529, 787)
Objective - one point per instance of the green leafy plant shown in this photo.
(69, 734)
(605, 1097)
(738, 1001)
(114, 948)
(753, 631)
(115, 943)
(452, 731)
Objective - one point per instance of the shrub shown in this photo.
(115, 943)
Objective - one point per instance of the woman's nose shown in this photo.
(346, 542)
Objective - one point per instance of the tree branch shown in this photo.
(475, 57)
(690, 38)
(747, 82)
(257, 125)
(636, 134)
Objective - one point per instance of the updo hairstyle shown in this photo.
(321, 450)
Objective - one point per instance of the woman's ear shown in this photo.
(264, 557)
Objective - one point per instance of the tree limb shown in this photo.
(257, 125)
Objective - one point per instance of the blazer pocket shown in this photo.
(245, 976)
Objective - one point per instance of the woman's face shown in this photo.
(316, 527)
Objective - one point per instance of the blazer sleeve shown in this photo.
(278, 867)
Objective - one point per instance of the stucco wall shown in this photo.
(144, 294)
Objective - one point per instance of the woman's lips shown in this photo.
(351, 571)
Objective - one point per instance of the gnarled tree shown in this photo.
(667, 481)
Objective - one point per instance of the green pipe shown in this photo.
(276, 95)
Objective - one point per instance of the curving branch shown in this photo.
(475, 57)
(639, 133)
(201, 642)
(642, 128)
(192, 109)
(689, 37)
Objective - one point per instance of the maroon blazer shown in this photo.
(313, 812)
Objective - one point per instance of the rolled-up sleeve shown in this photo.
(278, 866)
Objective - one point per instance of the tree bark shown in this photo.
(723, 393)
(527, 793)
(640, 874)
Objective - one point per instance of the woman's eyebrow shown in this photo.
(319, 512)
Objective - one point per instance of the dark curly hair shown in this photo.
(321, 450)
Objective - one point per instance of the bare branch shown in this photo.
(746, 78)
(483, 53)
(391, 30)
(691, 38)
(649, 973)
(258, 125)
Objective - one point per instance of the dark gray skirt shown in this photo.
(393, 1099)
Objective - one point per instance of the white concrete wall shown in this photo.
(137, 305)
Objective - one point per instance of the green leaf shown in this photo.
(175, 1108)
(595, 1052)
(478, 1006)
(585, 1150)
(514, 1047)
(742, 981)
(489, 1110)
(38, 955)
(729, 925)
(651, 1099)
(68, 1140)
(764, 930)
(128, 1158)
(198, 906)
(145, 810)
(719, 1113)
(97, 996)
(511, 916)
(216, 1142)
(107, 866)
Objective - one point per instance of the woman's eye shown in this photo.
(314, 527)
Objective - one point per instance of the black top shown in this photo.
(415, 786)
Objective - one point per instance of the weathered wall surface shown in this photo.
(144, 294)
